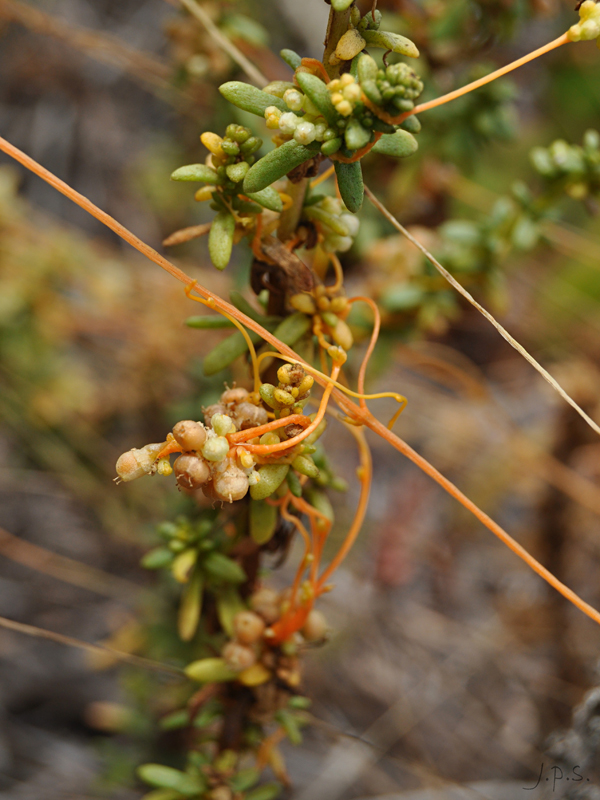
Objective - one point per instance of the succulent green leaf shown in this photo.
(220, 239)
(210, 670)
(291, 58)
(168, 778)
(331, 146)
(278, 88)
(355, 135)
(305, 466)
(157, 558)
(367, 68)
(249, 98)
(278, 163)
(290, 725)
(162, 794)
(226, 352)
(268, 198)
(245, 779)
(197, 172)
(229, 603)
(237, 172)
(391, 41)
(263, 519)
(397, 145)
(317, 91)
(271, 478)
(190, 607)
(411, 124)
(209, 322)
(175, 721)
(268, 791)
(321, 502)
(402, 297)
(221, 567)
(350, 183)
(294, 485)
(293, 328)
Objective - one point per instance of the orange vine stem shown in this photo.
(365, 474)
(564, 39)
(351, 409)
(374, 336)
(359, 153)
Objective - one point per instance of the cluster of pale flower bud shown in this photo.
(207, 461)
(304, 129)
(249, 657)
(337, 225)
(345, 94)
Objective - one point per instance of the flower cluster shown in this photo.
(576, 167)
(223, 173)
(395, 88)
(588, 27)
(336, 225)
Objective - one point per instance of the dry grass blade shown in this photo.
(491, 319)
(232, 51)
(96, 649)
(65, 569)
(148, 70)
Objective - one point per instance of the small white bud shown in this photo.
(216, 448)
(305, 133)
(288, 122)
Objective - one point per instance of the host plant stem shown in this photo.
(336, 28)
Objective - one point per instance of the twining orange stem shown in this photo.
(323, 177)
(339, 274)
(374, 336)
(365, 475)
(307, 548)
(359, 153)
(267, 449)
(250, 433)
(351, 409)
(564, 39)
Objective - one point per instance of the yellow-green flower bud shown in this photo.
(222, 424)
(216, 449)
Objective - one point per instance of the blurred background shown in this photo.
(452, 671)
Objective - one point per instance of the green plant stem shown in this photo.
(289, 219)
(336, 28)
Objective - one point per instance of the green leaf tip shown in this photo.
(249, 98)
(350, 183)
(277, 163)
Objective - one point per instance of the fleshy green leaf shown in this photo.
(209, 322)
(157, 558)
(271, 478)
(168, 778)
(350, 183)
(223, 568)
(291, 58)
(267, 198)
(196, 172)
(391, 41)
(227, 351)
(277, 163)
(210, 670)
(263, 519)
(396, 145)
(249, 98)
(229, 603)
(268, 791)
(317, 91)
(190, 607)
(220, 239)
